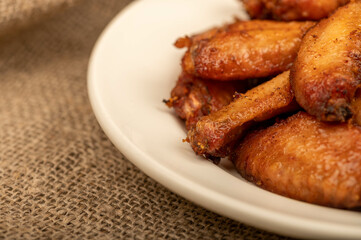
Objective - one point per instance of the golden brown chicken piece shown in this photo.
(244, 49)
(290, 10)
(193, 98)
(216, 134)
(305, 159)
(237, 26)
(327, 71)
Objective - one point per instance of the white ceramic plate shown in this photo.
(133, 67)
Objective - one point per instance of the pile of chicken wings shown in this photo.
(280, 96)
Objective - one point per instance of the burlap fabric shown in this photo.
(60, 177)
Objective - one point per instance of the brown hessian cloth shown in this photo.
(60, 176)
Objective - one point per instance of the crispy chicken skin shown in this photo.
(356, 107)
(305, 159)
(290, 10)
(215, 135)
(236, 26)
(193, 98)
(244, 49)
(327, 71)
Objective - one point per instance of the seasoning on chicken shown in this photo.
(243, 50)
(216, 135)
(305, 159)
(327, 71)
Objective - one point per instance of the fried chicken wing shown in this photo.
(327, 71)
(215, 135)
(193, 98)
(289, 10)
(244, 49)
(305, 159)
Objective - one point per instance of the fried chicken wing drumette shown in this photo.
(305, 159)
(193, 98)
(327, 71)
(242, 50)
(289, 10)
(216, 134)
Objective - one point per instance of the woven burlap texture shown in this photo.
(17, 14)
(60, 176)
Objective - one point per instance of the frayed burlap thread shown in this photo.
(60, 176)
